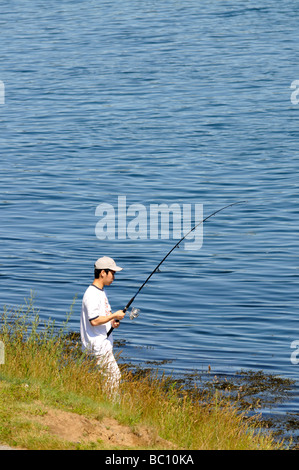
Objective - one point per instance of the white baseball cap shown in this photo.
(106, 263)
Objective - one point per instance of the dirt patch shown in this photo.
(76, 428)
(4, 447)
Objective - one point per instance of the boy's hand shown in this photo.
(115, 323)
(119, 315)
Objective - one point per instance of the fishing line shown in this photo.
(135, 312)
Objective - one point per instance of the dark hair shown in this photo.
(97, 272)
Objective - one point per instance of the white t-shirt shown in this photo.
(94, 338)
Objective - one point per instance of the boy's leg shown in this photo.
(112, 371)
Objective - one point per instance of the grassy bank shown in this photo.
(53, 397)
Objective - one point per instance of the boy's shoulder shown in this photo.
(94, 291)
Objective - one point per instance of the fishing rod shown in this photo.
(135, 311)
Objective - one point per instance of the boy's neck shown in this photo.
(98, 283)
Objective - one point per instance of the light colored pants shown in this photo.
(111, 370)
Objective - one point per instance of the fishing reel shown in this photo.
(134, 313)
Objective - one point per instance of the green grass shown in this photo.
(44, 370)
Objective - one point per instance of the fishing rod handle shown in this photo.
(116, 321)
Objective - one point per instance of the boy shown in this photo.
(97, 318)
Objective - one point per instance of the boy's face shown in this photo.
(108, 277)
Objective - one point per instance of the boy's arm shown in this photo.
(101, 320)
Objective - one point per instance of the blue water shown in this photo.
(162, 102)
